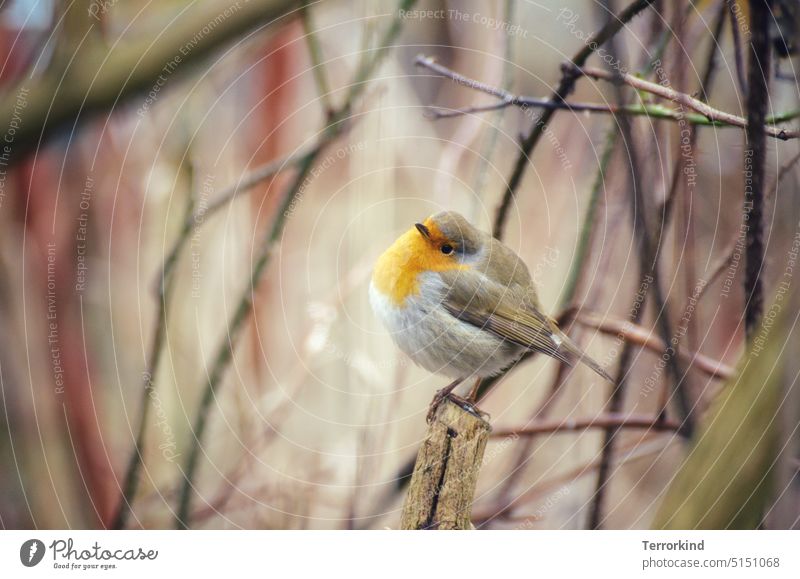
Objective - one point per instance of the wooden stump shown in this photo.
(446, 473)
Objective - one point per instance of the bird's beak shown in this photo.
(423, 230)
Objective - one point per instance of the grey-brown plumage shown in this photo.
(496, 293)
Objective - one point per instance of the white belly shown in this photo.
(437, 341)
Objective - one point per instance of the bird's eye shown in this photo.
(447, 249)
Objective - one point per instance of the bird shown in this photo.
(462, 304)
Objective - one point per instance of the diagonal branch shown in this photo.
(714, 116)
(224, 354)
(648, 272)
(562, 91)
(635, 334)
(195, 218)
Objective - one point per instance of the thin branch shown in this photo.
(507, 77)
(247, 182)
(729, 252)
(714, 116)
(131, 478)
(628, 452)
(576, 273)
(250, 180)
(440, 70)
(587, 227)
(737, 47)
(782, 172)
(317, 68)
(713, 51)
(224, 353)
(682, 163)
(755, 158)
(640, 336)
(562, 91)
(652, 110)
(582, 424)
(648, 272)
(193, 219)
(720, 265)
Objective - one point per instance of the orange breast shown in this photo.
(397, 271)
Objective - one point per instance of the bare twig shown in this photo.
(582, 424)
(224, 353)
(685, 161)
(248, 181)
(628, 452)
(314, 50)
(713, 51)
(576, 273)
(714, 116)
(737, 46)
(587, 227)
(562, 91)
(729, 252)
(131, 478)
(717, 119)
(640, 336)
(755, 161)
(194, 219)
(652, 110)
(782, 172)
(481, 170)
(648, 271)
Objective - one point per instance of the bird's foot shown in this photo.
(438, 398)
(464, 403)
(469, 405)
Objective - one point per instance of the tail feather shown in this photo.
(578, 354)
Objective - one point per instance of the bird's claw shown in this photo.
(466, 405)
(438, 398)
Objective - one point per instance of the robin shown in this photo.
(459, 302)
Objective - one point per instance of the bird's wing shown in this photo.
(510, 312)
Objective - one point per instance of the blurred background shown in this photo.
(173, 193)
